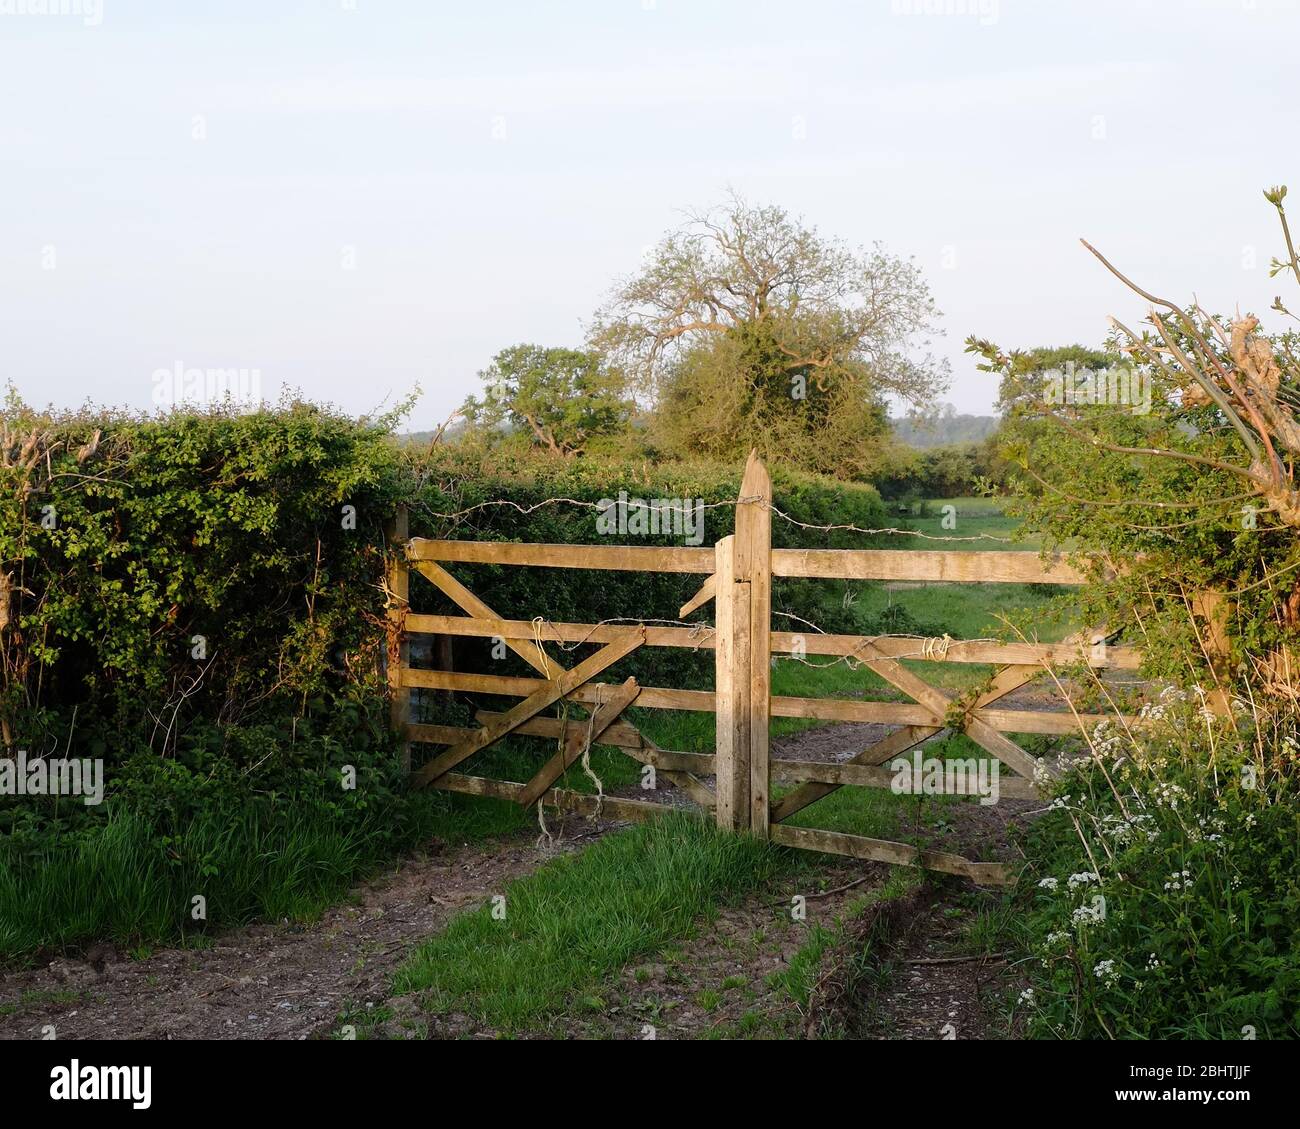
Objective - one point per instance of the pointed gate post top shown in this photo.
(757, 482)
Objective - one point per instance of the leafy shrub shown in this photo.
(1165, 887)
(188, 566)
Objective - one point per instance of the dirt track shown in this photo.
(286, 981)
(295, 981)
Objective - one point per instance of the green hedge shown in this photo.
(126, 540)
(461, 480)
(191, 566)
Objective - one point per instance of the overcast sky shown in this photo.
(355, 197)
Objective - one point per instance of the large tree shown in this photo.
(748, 328)
(561, 400)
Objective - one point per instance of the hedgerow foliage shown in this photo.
(1166, 887)
(167, 575)
(199, 565)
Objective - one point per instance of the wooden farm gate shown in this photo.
(737, 577)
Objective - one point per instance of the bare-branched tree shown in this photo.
(1253, 381)
(832, 311)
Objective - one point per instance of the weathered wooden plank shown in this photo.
(438, 734)
(898, 742)
(991, 567)
(551, 632)
(754, 564)
(900, 854)
(538, 659)
(702, 701)
(620, 734)
(613, 807)
(454, 590)
(680, 769)
(731, 678)
(702, 597)
(1213, 606)
(704, 637)
(1006, 750)
(547, 695)
(601, 719)
(978, 730)
(878, 776)
(618, 558)
(898, 675)
(902, 740)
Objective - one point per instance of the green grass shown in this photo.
(972, 517)
(121, 881)
(581, 918)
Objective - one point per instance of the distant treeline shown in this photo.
(944, 429)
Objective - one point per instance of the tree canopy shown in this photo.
(747, 328)
(560, 399)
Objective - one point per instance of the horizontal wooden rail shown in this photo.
(611, 806)
(991, 567)
(703, 701)
(786, 642)
(701, 764)
(704, 764)
(967, 566)
(900, 854)
(880, 776)
(615, 558)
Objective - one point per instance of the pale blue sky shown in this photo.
(984, 142)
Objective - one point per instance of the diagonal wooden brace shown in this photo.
(552, 692)
(1007, 680)
(702, 597)
(454, 590)
(601, 719)
(537, 657)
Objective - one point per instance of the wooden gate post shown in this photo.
(754, 562)
(743, 601)
(732, 682)
(399, 650)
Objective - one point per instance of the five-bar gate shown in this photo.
(737, 576)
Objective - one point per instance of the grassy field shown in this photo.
(980, 518)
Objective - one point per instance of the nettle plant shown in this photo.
(1166, 883)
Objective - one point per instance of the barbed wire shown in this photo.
(842, 527)
(893, 532)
